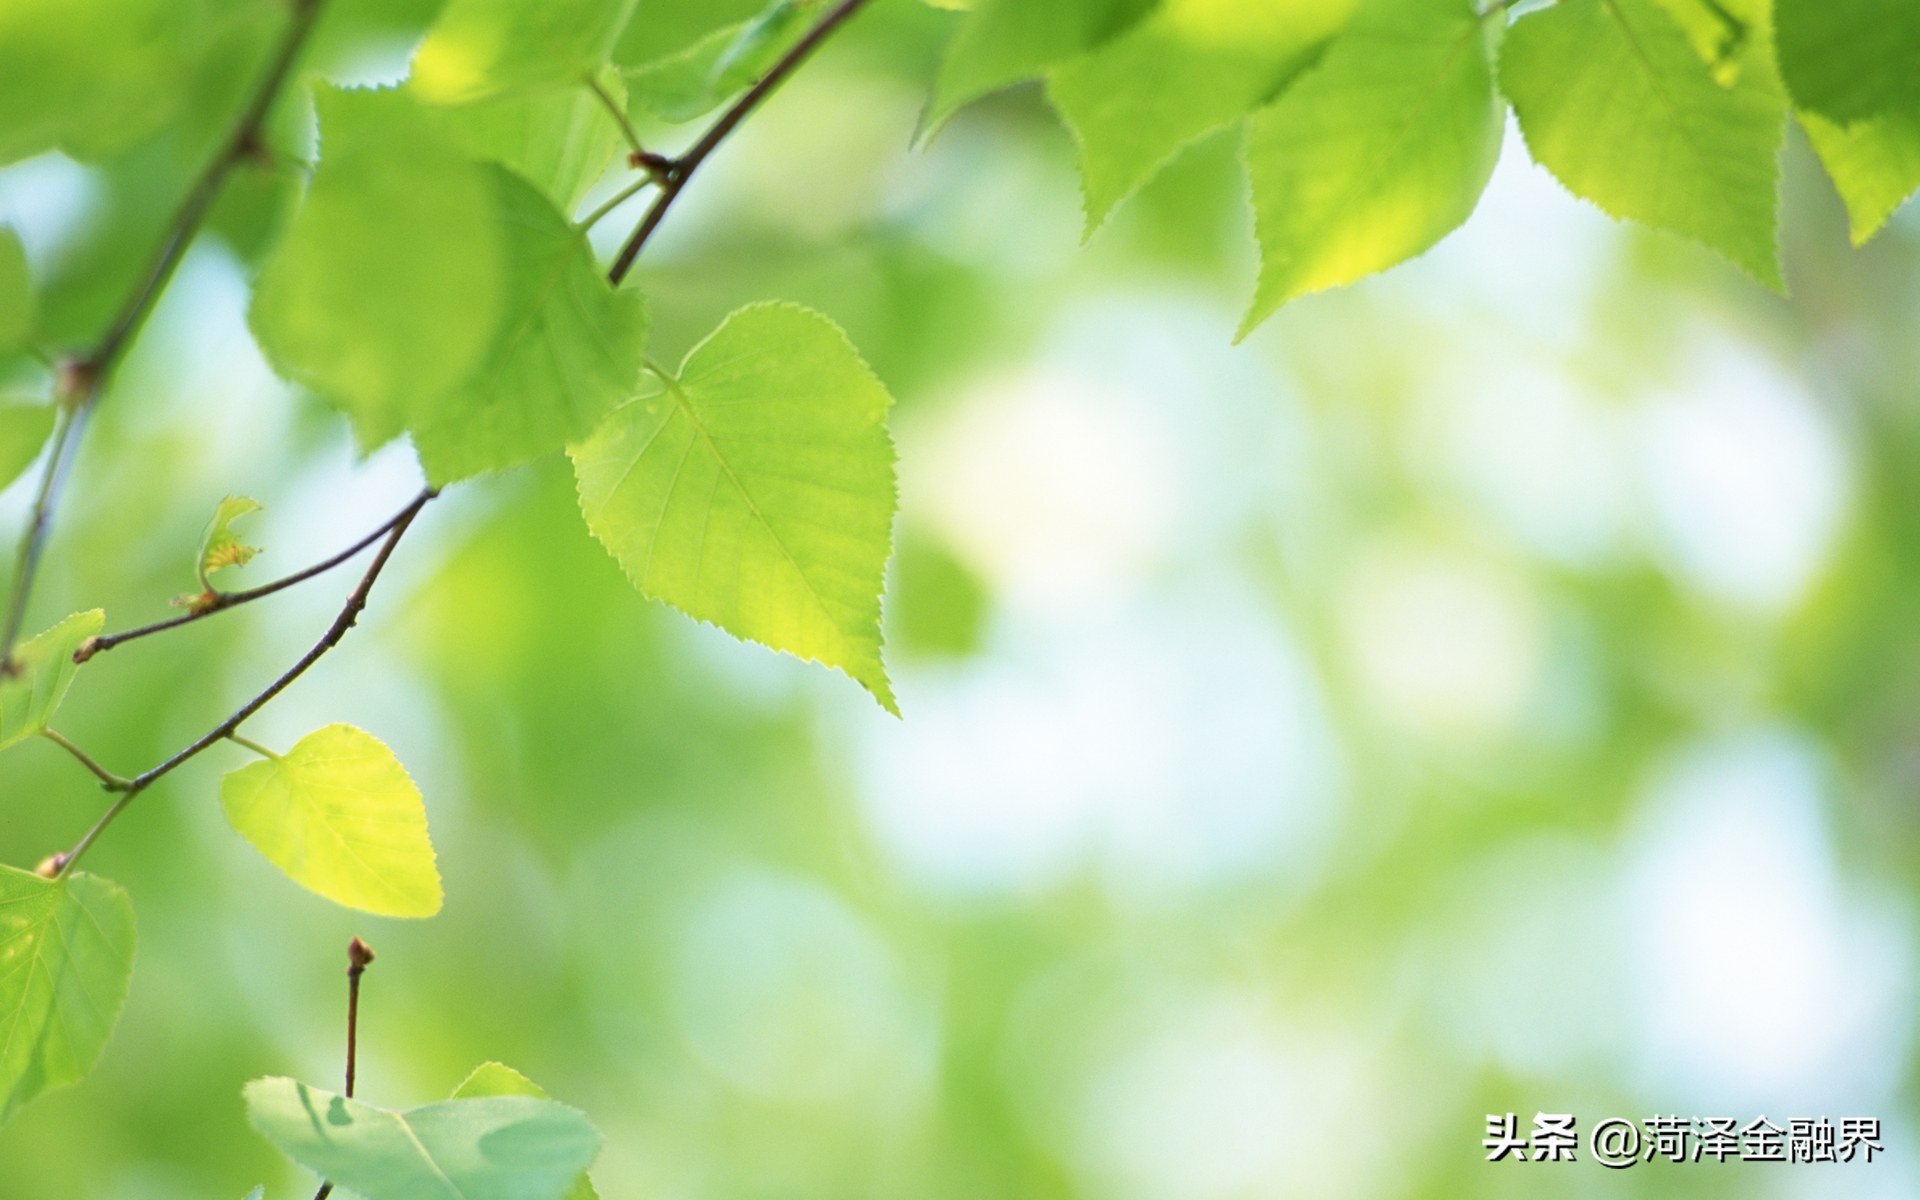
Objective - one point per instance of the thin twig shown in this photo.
(84, 380)
(618, 114)
(222, 601)
(108, 780)
(620, 197)
(349, 613)
(359, 955)
(674, 180)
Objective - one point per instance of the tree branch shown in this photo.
(82, 381)
(674, 179)
(349, 613)
(222, 601)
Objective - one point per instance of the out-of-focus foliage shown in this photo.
(1486, 689)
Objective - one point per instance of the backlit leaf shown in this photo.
(568, 349)
(1874, 164)
(1613, 101)
(560, 138)
(220, 547)
(1002, 42)
(482, 48)
(24, 429)
(39, 675)
(491, 1148)
(498, 1079)
(66, 954)
(388, 284)
(1377, 152)
(339, 815)
(1190, 68)
(1850, 60)
(755, 490)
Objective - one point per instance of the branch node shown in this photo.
(87, 650)
(51, 866)
(76, 379)
(359, 955)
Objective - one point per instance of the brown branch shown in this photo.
(349, 613)
(674, 178)
(222, 601)
(359, 955)
(83, 380)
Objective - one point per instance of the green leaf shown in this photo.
(1850, 60)
(42, 670)
(1874, 164)
(66, 954)
(1376, 153)
(92, 77)
(1192, 67)
(1002, 42)
(219, 547)
(339, 815)
(568, 350)
(698, 78)
(16, 293)
(481, 48)
(498, 1079)
(388, 284)
(560, 139)
(668, 29)
(24, 429)
(1720, 31)
(1613, 101)
(494, 1148)
(756, 489)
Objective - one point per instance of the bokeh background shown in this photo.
(1493, 687)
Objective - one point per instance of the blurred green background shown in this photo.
(1494, 687)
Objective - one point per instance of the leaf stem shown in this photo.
(254, 746)
(674, 179)
(84, 380)
(108, 780)
(620, 197)
(349, 613)
(225, 600)
(619, 116)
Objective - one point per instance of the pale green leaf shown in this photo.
(1874, 164)
(24, 429)
(1002, 42)
(1850, 60)
(1377, 152)
(498, 1079)
(481, 48)
(37, 679)
(91, 77)
(66, 954)
(1613, 101)
(756, 489)
(568, 350)
(561, 139)
(387, 286)
(220, 547)
(339, 815)
(1190, 68)
(16, 293)
(493, 1148)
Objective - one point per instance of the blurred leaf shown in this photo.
(42, 670)
(498, 1079)
(1190, 68)
(339, 815)
(1002, 42)
(756, 490)
(938, 606)
(1376, 153)
(67, 946)
(1613, 100)
(481, 48)
(1719, 30)
(1874, 164)
(16, 292)
(1850, 60)
(666, 28)
(388, 286)
(219, 547)
(496, 1148)
(91, 77)
(24, 429)
(560, 139)
(682, 86)
(568, 350)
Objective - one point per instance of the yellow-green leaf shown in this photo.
(36, 681)
(219, 547)
(66, 953)
(339, 815)
(755, 489)
(1874, 164)
(481, 48)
